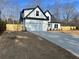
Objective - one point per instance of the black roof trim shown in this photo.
(34, 9)
(22, 11)
(36, 18)
(26, 9)
(48, 11)
(29, 8)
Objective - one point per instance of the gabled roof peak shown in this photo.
(37, 6)
(48, 12)
(34, 8)
(39, 9)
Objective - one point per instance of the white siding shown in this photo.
(45, 25)
(36, 25)
(41, 15)
(26, 12)
(53, 25)
(48, 15)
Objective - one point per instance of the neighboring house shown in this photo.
(34, 19)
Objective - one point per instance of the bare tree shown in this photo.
(75, 20)
(56, 10)
(0, 14)
(68, 12)
(9, 10)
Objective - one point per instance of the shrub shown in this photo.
(77, 28)
(2, 26)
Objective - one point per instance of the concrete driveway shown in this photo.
(68, 42)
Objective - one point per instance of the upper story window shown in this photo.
(37, 13)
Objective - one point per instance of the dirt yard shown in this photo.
(25, 45)
(72, 32)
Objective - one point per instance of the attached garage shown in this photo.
(35, 25)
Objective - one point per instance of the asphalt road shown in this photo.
(66, 41)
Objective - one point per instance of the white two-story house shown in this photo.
(34, 19)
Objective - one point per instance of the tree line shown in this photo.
(65, 14)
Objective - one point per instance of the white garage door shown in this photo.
(34, 27)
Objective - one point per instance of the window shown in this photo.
(47, 17)
(56, 25)
(37, 13)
